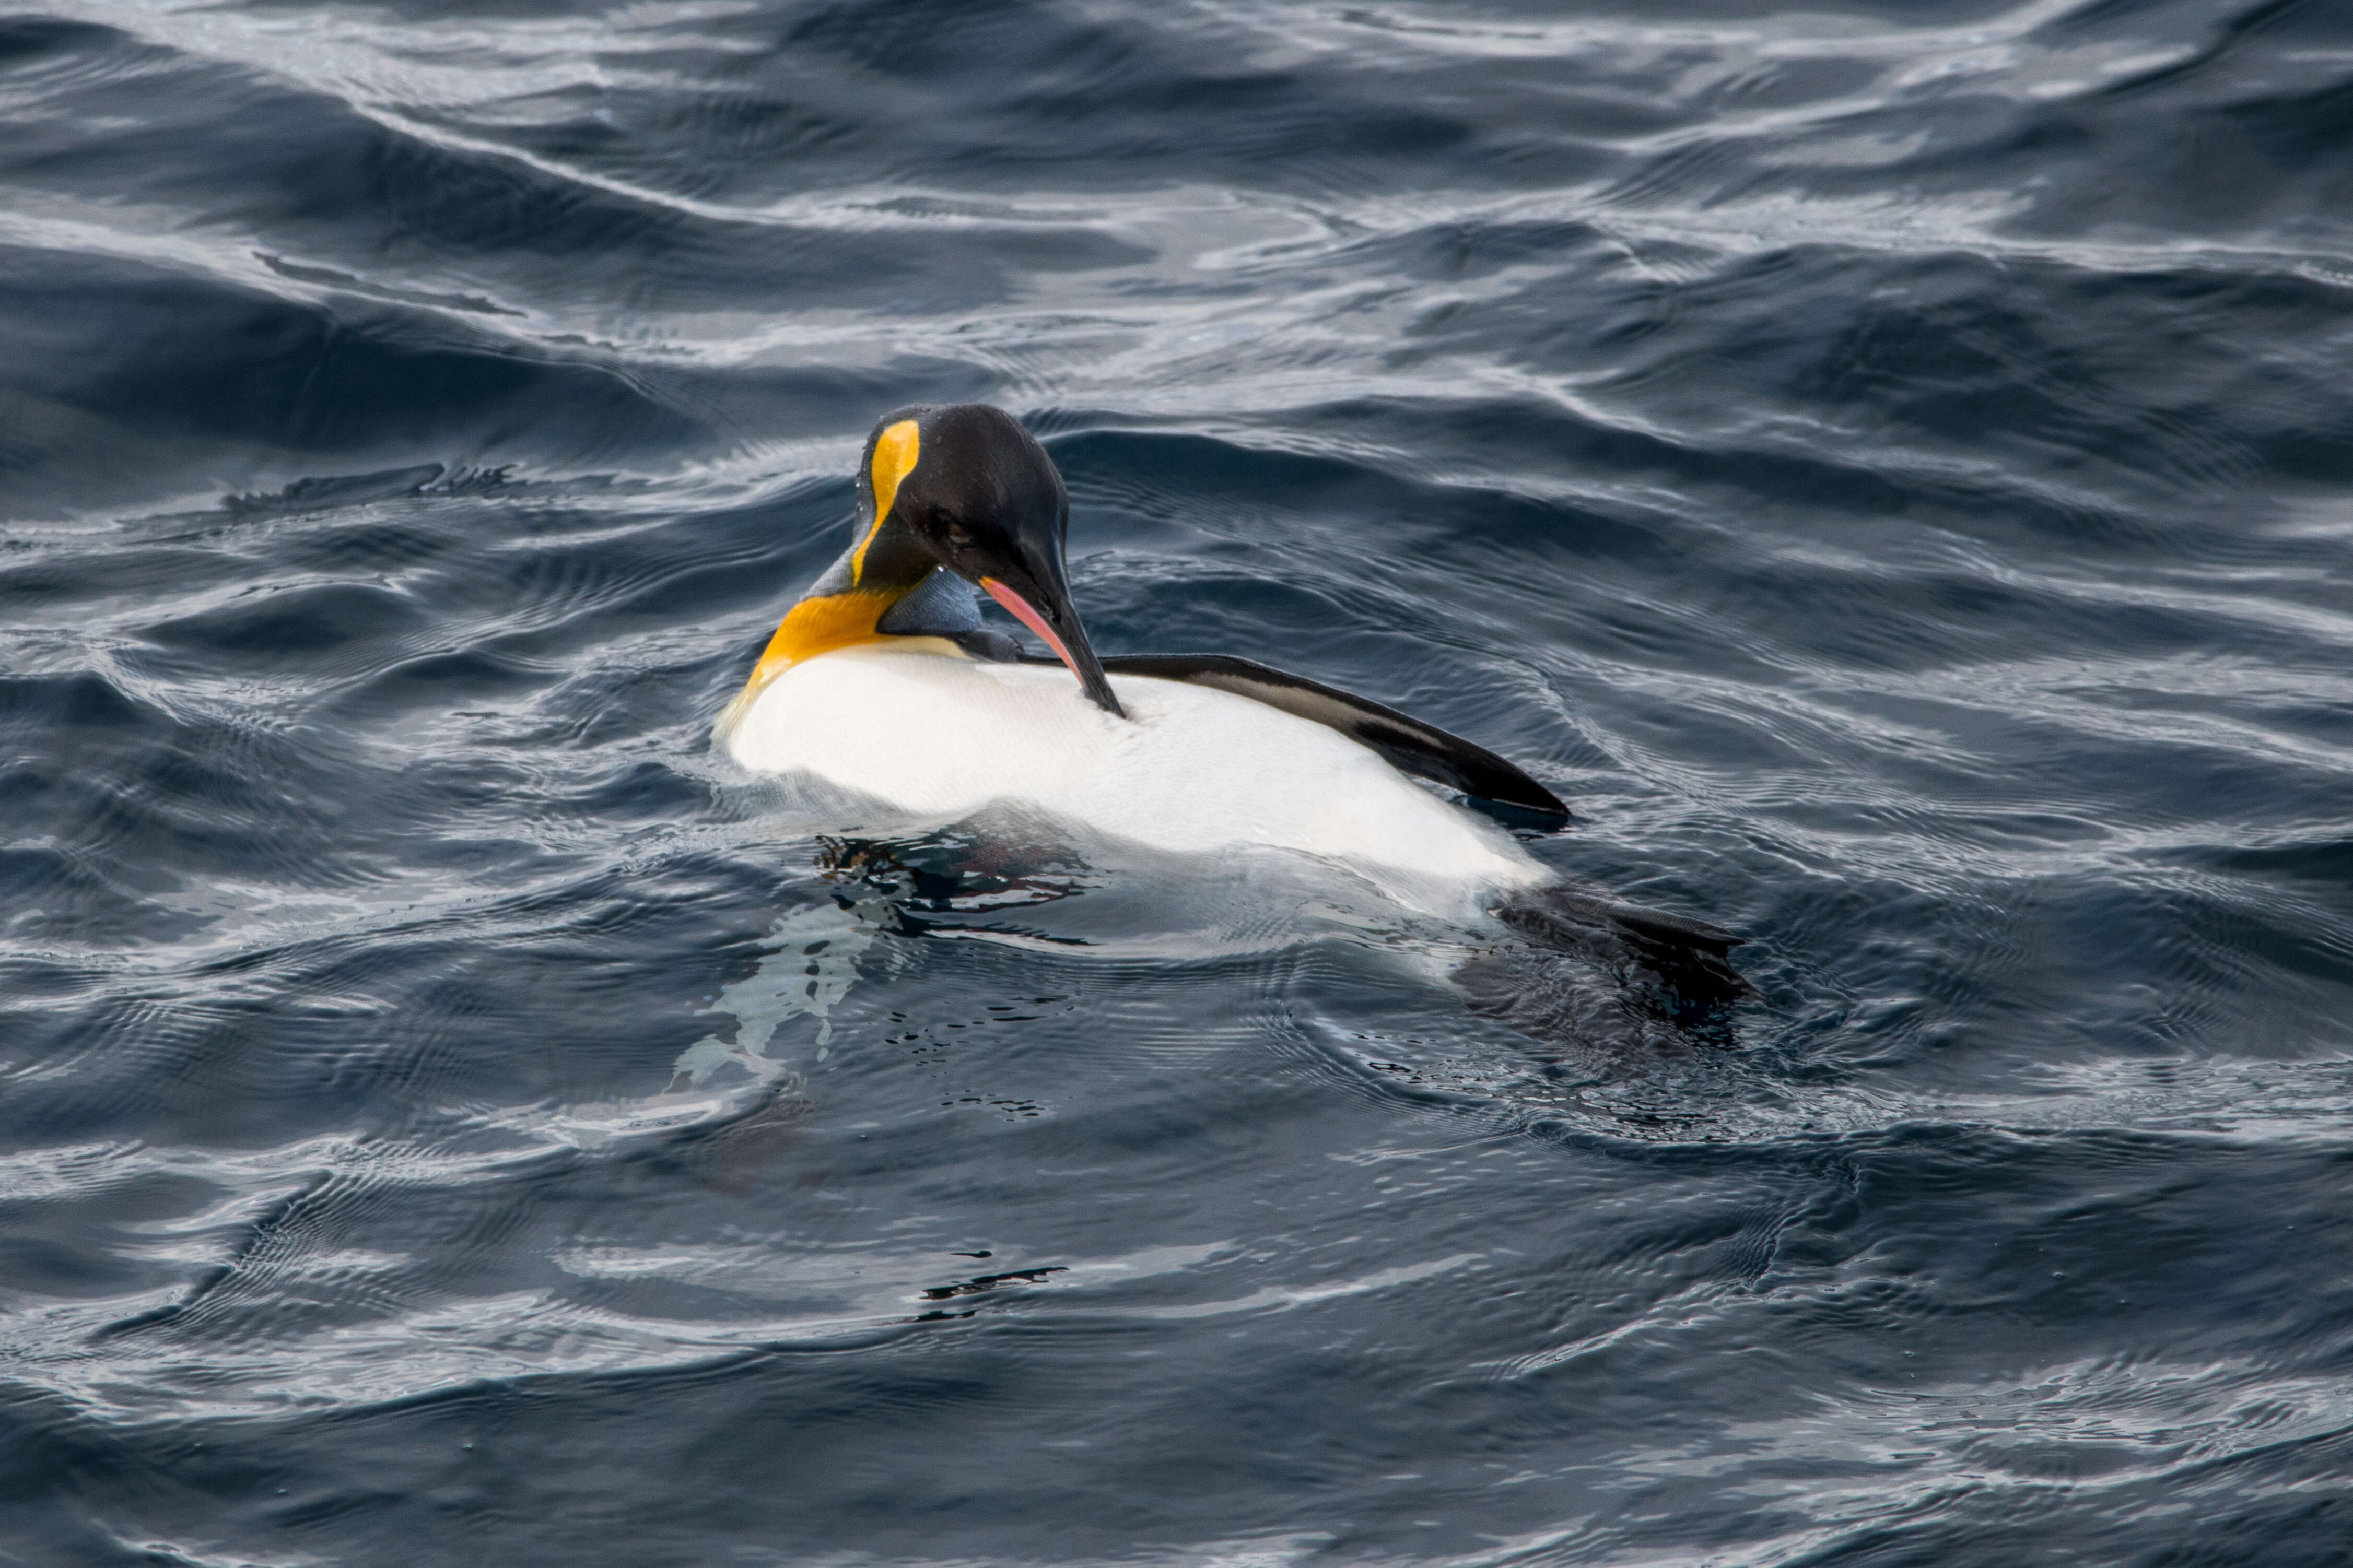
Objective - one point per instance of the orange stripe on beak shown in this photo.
(1091, 679)
(1033, 620)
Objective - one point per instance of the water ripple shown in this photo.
(1885, 466)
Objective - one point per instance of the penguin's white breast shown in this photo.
(1190, 771)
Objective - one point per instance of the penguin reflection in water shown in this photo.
(884, 684)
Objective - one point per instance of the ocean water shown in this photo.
(1889, 466)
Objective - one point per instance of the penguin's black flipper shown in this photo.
(1409, 745)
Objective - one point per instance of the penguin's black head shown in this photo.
(972, 490)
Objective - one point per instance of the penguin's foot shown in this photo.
(1686, 956)
(1609, 985)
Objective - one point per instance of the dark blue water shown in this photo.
(1889, 466)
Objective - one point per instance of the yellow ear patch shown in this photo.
(827, 621)
(895, 451)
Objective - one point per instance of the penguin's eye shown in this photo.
(958, 534)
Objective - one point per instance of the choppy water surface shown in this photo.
(1889, 466)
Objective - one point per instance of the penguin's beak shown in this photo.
(985, 501)
(1047, 610)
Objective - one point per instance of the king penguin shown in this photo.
(884, 683)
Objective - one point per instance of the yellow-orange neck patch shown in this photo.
(819, 625)
(827, 621)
